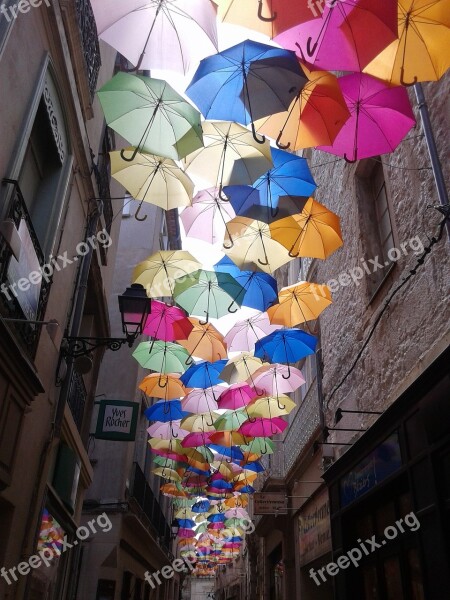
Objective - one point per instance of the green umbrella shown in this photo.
(206, 453)
(151, 116)
(231, 420)
(169, 463)
(162, 357)
(235, 522)
(208, 293)
(202, 528)
(259, 445)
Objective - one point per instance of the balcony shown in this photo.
(149, 512)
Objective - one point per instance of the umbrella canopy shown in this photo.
(271, 406)
(167, 430)
(360, 29)
(315, 232)
(160, 322)
(158, 272)
(244, 335)
(286, 346)
(248, 202)
(204, 374)
(151, 115)
(315, 116)
(164, 357)
(208, 293)
(158, 35)
(151, 178)
(299, 303)
(246, 82)
(240, 368)
(237, 396)
(231, 156)
(173, 490)
(196, 439)
(200, 422)
(260, 289)
(166, 474)
(420, 53)
(231, 420)
(165, 411)
(263, 427)
(206, 219)
(202, 400)
(381, 116)
(167, 387)
(204, 341)
(278, 379)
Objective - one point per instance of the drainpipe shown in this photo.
(432, 149)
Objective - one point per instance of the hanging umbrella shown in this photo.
(203, 374)
(286, 346)
(158, 272)
(204, 341)
(236, 513)
(166, 474)
(347, 36)
(165, 411)
(167, 387)
(260, 289)
(246, 82)
(231, 420)
(315, 116)
(167, 430)
(271, 406)
(420, 53)
(244, 335)
(240, 368)
(164, 357)
(151, 116)
(299, 303)
(202, 400)
(196, 439)
(249, 244)
(228, 439)
(173, 490)
(160, 322)
(258, 446)
(158, 34)
(315, 232)
(206, 219)
(237, 396)
(263, 427)
(273, 379)
(201, 506)
(381, 116)
(199, 423)
(248, 202)
(230, 156)
(208, 293)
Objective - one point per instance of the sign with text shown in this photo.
(314, 529)
(269, 503)
(117, 420)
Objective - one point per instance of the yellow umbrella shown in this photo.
(204, 341)
(315, 232)
(199, 423)
(299, 303)
(271, 406)
(158, 272)
(421, 52)
(158, 385)
(249, 244)
(167, 474)
(152, 179)
(184, 513)
(171, 445)
(236, 501)
(240, 368)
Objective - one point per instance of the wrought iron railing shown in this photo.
(10, 306)
(77, 399)
(103, 177)
(150, 507)
(89, 37)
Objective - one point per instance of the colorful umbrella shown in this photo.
(263, 427)
(164, 357)
(237, 396)
(278, 379)
(161, 34)
(165, 411)
(248, 202)
(271, 406)
(241, 368)
(196, 439)
(202, 400)
(166, 474)
(231, 420)
(286, 346)
(420, 53)
(173, 490)
(167, 387)
(167, 430)
(299, 303)
(246, 82)
(161, 320)
(158, 272)
(204, 341)
(151, 116)
(349, 34)
(206, 219)
(199, 423)
(244, 335)
(381, 116)
(203, 374)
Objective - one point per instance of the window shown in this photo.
(375, 222)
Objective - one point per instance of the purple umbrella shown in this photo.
(381, 116)
(208, 216)
(244, 335)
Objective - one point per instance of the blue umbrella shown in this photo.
(247, 489)
(246, 82)
(247, 201)
(232, 452)
(165, 411)
(286, 346)
(221, 484)
(201, 506)
(253, 466)
(260, 289)
(186, 523)
(216, 518)
(203, 374)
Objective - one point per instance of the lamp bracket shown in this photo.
(83, 346)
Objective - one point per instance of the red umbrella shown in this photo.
(160, 322)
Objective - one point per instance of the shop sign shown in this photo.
(379, 464)
(269, 503)
(117, 420)
(314, 529)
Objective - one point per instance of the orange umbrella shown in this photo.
(172, 490)
(204, 341)
(167, 386)
(299, 303)
(228, 438)
(236, 501)
(315, 232)
(314, 117)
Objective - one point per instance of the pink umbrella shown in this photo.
(236, 513)
(196, 439)
(236, 396)
(244, 335)
(159, 324)
(186, 533)
(261, 427)
(167, 431)
(202, 401)
(274, 380)
(381, 116)
(208, 216)
(231, 545)
(359, 29)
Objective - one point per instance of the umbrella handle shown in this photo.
(166, 410)
(262, 262)
(133, 156)
(174, 435)
(261, 140)
(291, 249)
(229, 461)
(280, 145)
(349, 161)
(228, 247)
(144, 218)
(189, 360)
(288, 373)
(402, 80)
(273, 213)
(205, 322)
(232, 311)
(311, 49)
(280, 406)
(262, 17)
(221, 194)
(209, 424)
(162, 386)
